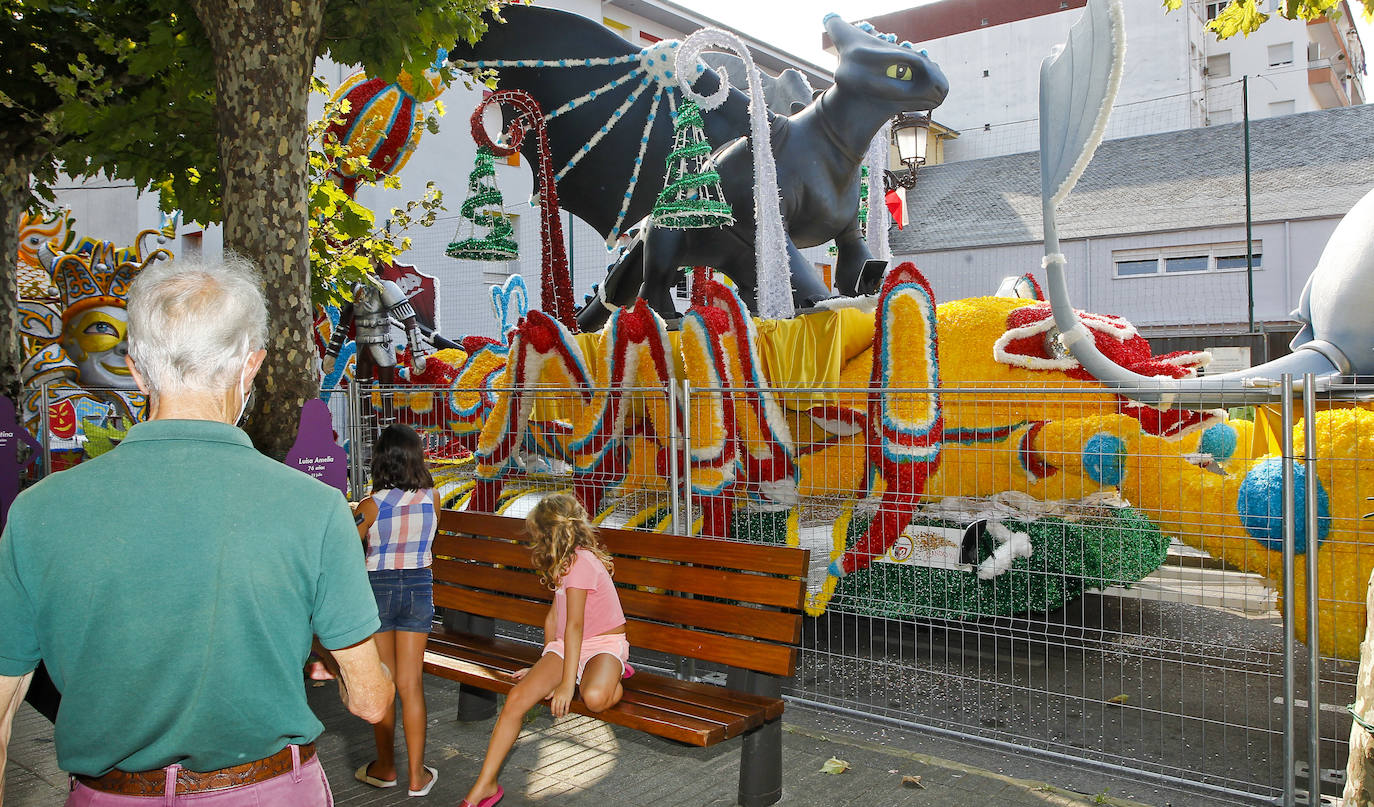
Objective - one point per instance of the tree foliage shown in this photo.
(1245, 17)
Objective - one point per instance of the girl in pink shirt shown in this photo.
(584, 634)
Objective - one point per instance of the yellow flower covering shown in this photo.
(1201, 509)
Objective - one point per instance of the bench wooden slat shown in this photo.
(494, 660)
(777, 626)
(484, 550)
(513, 609)
(778, 591)
(783, 560)
(641, 716)
(774, 659)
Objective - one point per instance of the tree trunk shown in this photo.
(14, 184)
(264, 56)
(1359, 770)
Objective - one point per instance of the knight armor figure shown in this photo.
(375, 303)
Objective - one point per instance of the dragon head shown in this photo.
(880, 67)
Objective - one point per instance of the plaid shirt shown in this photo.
(402, 537)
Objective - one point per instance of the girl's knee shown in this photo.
(599, 699)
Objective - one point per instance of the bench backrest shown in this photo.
(720, 601)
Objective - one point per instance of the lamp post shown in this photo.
(910, 131)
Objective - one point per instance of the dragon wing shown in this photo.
(543, 52)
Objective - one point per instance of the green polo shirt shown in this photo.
(172, 586)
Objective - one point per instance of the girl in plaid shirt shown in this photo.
(397, 524)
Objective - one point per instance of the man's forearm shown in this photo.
(364, 682)
(11, 695)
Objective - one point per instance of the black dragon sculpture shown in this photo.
(818, 151)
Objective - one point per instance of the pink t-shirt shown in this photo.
(602, 612)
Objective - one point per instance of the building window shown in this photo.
(1184, 260)
(1214, 8)
(1219, 116)
(1219, 65)
(1281, 54)
(650, 38)
(1277, 108)
(617, 26)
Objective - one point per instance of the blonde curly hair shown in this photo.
(559, 527)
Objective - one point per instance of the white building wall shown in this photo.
(1290, 251)
(994, 79)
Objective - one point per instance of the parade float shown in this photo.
(896, 444)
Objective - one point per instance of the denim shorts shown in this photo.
(405, 598)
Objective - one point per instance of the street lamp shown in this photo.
(910, 132)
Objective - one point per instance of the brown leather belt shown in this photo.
(153, 783)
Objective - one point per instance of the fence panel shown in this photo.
(1051, 575)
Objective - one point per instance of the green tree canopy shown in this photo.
(1244, 16)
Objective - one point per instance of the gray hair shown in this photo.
(192, 325)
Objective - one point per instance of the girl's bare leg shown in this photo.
(537, 685)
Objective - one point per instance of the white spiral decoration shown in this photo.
(875, 233)
(774, 279)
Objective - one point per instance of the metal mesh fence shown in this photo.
(1024, 565)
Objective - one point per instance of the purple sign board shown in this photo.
(11, 435)
(315, 451)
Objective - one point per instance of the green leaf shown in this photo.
(1241, 17)
(834, 766)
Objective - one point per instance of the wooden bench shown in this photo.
(729, 603)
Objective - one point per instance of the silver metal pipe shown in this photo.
(685, 484)
(1289, 628)
(43, 434)
(674, 452)
(1309, 464)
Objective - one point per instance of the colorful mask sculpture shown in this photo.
(76, 337)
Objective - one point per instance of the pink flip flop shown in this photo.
(629, 671)
(489, 801)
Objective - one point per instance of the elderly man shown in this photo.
(172, 586)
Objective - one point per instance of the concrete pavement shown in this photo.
(580, 761)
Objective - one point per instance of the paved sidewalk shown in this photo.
(580, 761)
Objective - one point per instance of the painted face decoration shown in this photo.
(97, 340)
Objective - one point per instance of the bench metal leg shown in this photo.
(474, 704)
(760, 762)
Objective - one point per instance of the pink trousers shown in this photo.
(304, 786)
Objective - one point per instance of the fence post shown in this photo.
(1309, 464)
(43, 428)
(676, 454)
(686, 481)
(355, 442)
(1289, 562)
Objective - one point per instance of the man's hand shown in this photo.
(561, 699)
(364, 682)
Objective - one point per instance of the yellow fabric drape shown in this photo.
(808, 352)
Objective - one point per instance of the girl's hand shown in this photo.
(560, 699)
(520, 674)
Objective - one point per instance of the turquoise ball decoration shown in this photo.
(1260, 505)
(1219, 441)
(1104, 459)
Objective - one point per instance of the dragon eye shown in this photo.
(899, 71)
(1055, 349)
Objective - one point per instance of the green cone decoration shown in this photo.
(692, 196)
(483, 209)
(863, 197)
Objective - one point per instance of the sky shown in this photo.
(798, 31)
